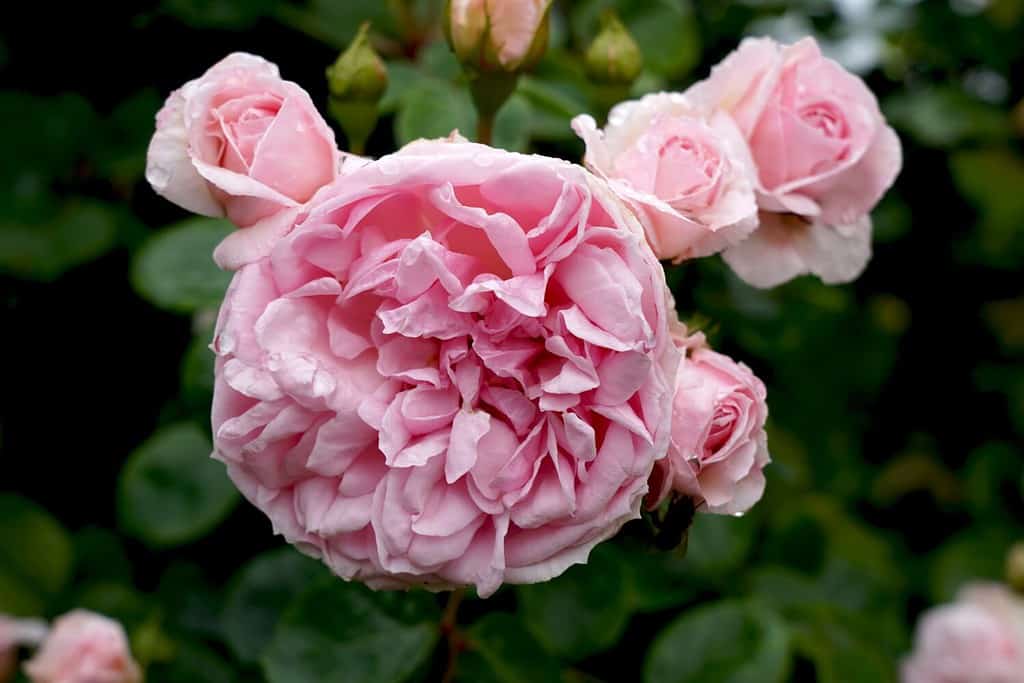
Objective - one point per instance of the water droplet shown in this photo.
(158, 176)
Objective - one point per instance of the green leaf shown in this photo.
(258, 596)
(402, 79)
(784, 589)
(218, 14)
(501, 650)
(993, 477)
(1005, 320)
(844, 649)
(171, 491)
(35, 557)
(726, 642)
(975, 555)
(717, 547)
(191, 604)
(583, 611)
(122, 156)
(814, 605)
(118, 601)
(46, 135)
(437, 59)
(82, 231)
(197, 374)
(339, 632)
(945, 116)
(659, 579)
(100, 555)
(335, 23)
(175, 271)
(512, 125)
(192, 662)
(433, 109)
(553, 104)
(665, 30)
(991, 178)
(815, 535)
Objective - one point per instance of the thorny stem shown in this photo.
(449, 629)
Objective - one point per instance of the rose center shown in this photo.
(247, 131)
(685, 167)
(720, 432)
(827, 119)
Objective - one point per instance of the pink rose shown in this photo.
(822, 150)
(84, 647)
(689, 178)
(786, 245)
(455, 370)
(15, 633)
(505, 32)
(241, 142)
(977, 639)
(719, 447)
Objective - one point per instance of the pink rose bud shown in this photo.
(454, 370)
(719, 447)
(980, 637)
(242, 143)
(84, 647)
(822, 150)
(688, 177)
(16, 633)
(505, 35)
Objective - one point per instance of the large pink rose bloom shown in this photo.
(15, 633)
(455, 370)
(977, 639)
(719, 448)
(688, 176)
(84, 647)
(823, 152)
(242, 143)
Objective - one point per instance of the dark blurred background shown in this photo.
(897, 402)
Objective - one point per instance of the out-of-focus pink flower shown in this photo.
(84, 647)
(719, 447)
(15, 633)
(241, 142)
(688, 175)
(822, 151)
(455, 370)
(977, 639)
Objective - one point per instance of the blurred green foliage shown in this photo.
(897, 402)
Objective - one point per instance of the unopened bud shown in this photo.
(356, 82)
(613, 57)
(359, 74)
(497, 35)
(1015, 567)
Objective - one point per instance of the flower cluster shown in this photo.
(775, 160)
(460, 365)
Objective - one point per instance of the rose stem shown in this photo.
(449, 623)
